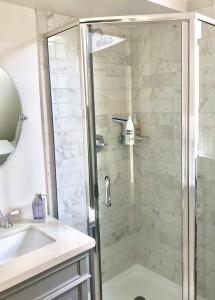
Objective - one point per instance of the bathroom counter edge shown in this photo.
(68, 244)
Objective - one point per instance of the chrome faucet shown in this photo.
(5, 220)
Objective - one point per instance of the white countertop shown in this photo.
(68, 244)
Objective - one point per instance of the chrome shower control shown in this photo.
(99, 142)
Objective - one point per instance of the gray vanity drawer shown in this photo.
(61, 282)
(78, 293)
(70, 295)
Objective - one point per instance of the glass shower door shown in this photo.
(205, 220)
(136, 72)
(67, 129)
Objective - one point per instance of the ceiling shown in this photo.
(95, 8)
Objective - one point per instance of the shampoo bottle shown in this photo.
(129, 132)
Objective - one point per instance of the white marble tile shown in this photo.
(205, 166)
(68, 127)
(157, 161)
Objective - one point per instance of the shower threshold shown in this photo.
(140, 281)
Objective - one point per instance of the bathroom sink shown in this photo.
(22, 242)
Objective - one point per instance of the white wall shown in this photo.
(96, 8)
(24, 174)
(180, 5)
(205, 7)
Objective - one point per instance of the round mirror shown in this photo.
(10, 116)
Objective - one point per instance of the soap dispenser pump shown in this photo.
(39, 208)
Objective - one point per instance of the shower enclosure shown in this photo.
(151, 207)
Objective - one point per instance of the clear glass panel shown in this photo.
(63, 49)
(206, 167)
(137, 74)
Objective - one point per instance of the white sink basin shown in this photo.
(22, 242)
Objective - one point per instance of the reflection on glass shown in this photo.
(10, 112)
(100, 41)
(206, 167)
(137, 79)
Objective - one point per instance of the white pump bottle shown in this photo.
(129, 132)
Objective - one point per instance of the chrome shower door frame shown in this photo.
(189, 125)
(193, 134)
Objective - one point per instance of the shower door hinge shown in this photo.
(96, 191)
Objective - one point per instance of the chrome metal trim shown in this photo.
(149, 18)
(49, 140)
(193, 135)
(185, 70)
(184, 162)
(107, 191)
(205, 19)
(86, 137)
(89, 124)
(100, 144)
(6, 218)
(185, 212)
(23, 117)
(141, 18)
(90, 157)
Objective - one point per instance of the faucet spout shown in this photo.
(5, 220)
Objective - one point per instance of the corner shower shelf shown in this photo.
(138, 140)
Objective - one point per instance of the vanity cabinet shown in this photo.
(66, 281)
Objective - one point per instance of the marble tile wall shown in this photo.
(155, 212)
(206, 145)
(68, 127)
(206, 150)
(205, 228)
(46, 111)
(205, 167)
(111, 90)
(145, 228)
(64, 109)
(156, 94)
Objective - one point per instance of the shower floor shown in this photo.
(140, 281)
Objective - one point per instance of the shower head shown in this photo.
(100, 41)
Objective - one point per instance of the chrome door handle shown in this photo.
(107, 191)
